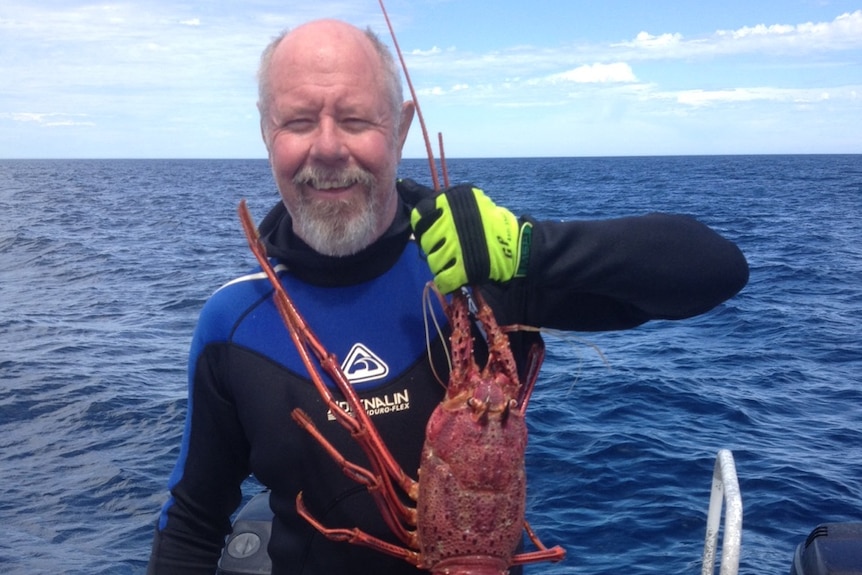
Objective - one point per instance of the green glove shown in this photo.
(470, 240)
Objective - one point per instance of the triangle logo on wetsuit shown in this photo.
(362, 364)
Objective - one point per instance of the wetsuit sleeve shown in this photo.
(205, 487)
(619, 273)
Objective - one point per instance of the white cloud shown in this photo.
(47, 119)
(707, 97)
(647, 40)
(759, 30)
(700, 98)
(596, 74)
(433, 91)
(844, 30)
(439, 91)
(431, 52)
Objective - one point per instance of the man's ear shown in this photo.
(407, 111)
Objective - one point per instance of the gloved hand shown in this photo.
(469, 240)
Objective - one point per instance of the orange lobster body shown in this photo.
(471, 492)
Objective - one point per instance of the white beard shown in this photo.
(337, 227)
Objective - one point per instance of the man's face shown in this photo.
(333, 137)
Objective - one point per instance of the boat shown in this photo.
(830, 548)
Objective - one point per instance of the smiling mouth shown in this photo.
(331, 186)
(333, 181)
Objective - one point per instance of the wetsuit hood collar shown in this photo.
(310, 266)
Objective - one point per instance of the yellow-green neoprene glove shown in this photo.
(469, 239)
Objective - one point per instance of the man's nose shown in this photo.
(329, 144)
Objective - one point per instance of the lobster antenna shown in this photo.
(431, 164)
(428, 311)
(443, 167)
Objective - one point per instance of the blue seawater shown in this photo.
(105, 264)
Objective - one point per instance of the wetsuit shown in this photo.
(245, 376)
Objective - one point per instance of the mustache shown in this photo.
(333, 178)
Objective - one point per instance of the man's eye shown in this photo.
(299, 125)
(355, 124)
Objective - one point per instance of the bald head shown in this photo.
(326, 41)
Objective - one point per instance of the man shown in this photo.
(333, 122)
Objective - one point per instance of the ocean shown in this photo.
(105, 264)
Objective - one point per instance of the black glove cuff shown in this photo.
(471, 232)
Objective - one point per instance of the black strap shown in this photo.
(471, 233)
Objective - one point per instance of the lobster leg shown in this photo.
(544, 553)
(394, 515)
(357, 536)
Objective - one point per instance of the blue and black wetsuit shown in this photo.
(245, 376)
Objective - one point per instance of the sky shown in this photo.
(498, 78)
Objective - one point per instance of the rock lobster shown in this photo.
(471, 493)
